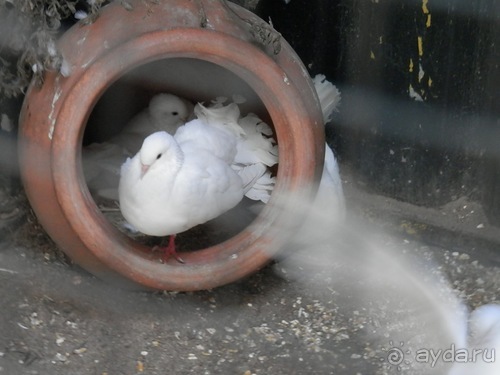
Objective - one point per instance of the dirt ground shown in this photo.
(57, 319)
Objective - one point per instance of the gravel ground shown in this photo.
(293, 317)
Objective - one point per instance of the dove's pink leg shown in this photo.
(169, 250)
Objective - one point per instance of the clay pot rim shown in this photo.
(232, 259)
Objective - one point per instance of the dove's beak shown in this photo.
(144, 169)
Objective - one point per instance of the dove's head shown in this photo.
(169, 110)
(156, 148)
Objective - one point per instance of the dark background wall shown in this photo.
(420, 80)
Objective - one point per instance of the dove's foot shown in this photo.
(169, 250)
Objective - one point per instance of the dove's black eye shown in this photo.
(175, 113)
(158, 156)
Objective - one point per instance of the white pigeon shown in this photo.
(172, 185)
(165, 112)
(102, 161)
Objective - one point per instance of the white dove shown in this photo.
(172, 184)
(102, 161)
(165, 112)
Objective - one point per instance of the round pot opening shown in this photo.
(197, 81)
(114, 72)
(296, 127)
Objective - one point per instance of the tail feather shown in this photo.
(328, 94)
(262, 188)
(257, 181)
(257, 145)
(259, 195)
(250, 174)
(265, 182)
(221, 116)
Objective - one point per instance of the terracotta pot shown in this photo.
(206, 32)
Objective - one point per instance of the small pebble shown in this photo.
(61, 357)
(59, 340)
(464, 256)
(80, 350)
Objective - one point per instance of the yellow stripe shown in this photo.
(424, 6)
